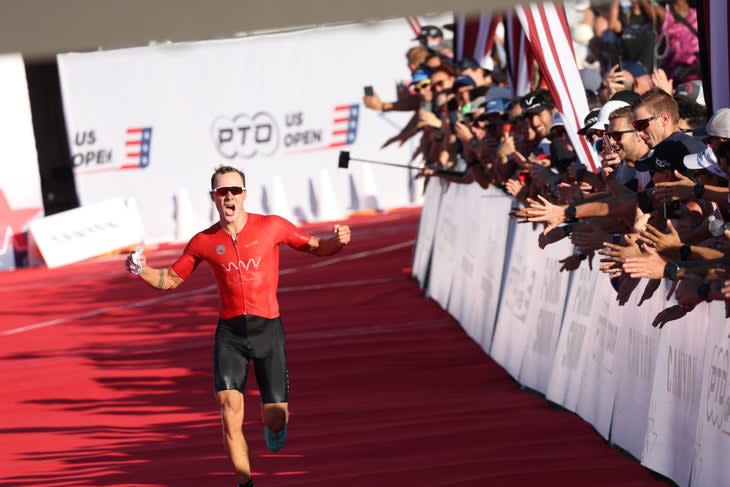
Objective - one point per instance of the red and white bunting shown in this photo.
(547, 30)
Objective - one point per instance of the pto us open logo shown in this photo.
(246, 136)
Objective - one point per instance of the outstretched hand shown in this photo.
(670, 314)
(649, 264)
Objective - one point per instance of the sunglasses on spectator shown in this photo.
(617, 134)
(643, 123)
(422, 84)
(595, 134)
(223, 190)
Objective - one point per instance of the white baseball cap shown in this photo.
(717, 126)
(606, 110)
(704, 160)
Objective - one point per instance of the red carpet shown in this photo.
(106, 382)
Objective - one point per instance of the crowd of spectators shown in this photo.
(657, 206)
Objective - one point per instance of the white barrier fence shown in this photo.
(661, 395)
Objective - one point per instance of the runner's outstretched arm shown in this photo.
(162, 279)
(329, 246)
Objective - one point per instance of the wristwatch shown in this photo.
(699, 190)
(616, 238)
(671, 270)
(685, 251)
(570, 213)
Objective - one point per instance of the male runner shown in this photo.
(242, 248)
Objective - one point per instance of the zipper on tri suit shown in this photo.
(240, 272)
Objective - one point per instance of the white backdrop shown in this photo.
(153, 122)
(20, 184)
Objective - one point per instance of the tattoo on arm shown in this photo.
(161, 283)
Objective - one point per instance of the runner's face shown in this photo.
(229, 206)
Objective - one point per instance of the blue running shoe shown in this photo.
(275, 441)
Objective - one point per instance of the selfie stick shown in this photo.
(345, 159)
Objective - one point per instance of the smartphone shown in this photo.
(369, 91)
(607, 144)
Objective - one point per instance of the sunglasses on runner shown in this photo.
(617, 134)
(643, 123)
(223, 190)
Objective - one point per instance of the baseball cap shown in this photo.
(496, 105)
(606, 110)
(691, 90)
(462, 81)
(536, 102)
(629, 96)
(467, 63)
(717, 126)
(419, 75)
(704, 160)
(428, 31)
(636, 68)
(590, 119)
(669, 155)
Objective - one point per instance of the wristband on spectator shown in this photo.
(616, 238)
(699, 190)
(570, 213)
(685, 251)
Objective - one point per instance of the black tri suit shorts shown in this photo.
(261, 340)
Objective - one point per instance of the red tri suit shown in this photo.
(246, 268)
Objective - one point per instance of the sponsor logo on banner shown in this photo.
(90, 154)
(681, 380)
(718, 402)
(262, 134)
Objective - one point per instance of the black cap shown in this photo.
(590, 119)
(629, 96)
(536, 102)
(668, 155)
(429, 31)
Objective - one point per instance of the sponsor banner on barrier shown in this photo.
(578, 324)
(20, 186)
(545, 315)
(427, 230)
(512, 331)
(710, 466)
(93, 230)
(151, 122)
(598, 384)
(634, 366)
(475, 290)
(675, 399)
(444, 258)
